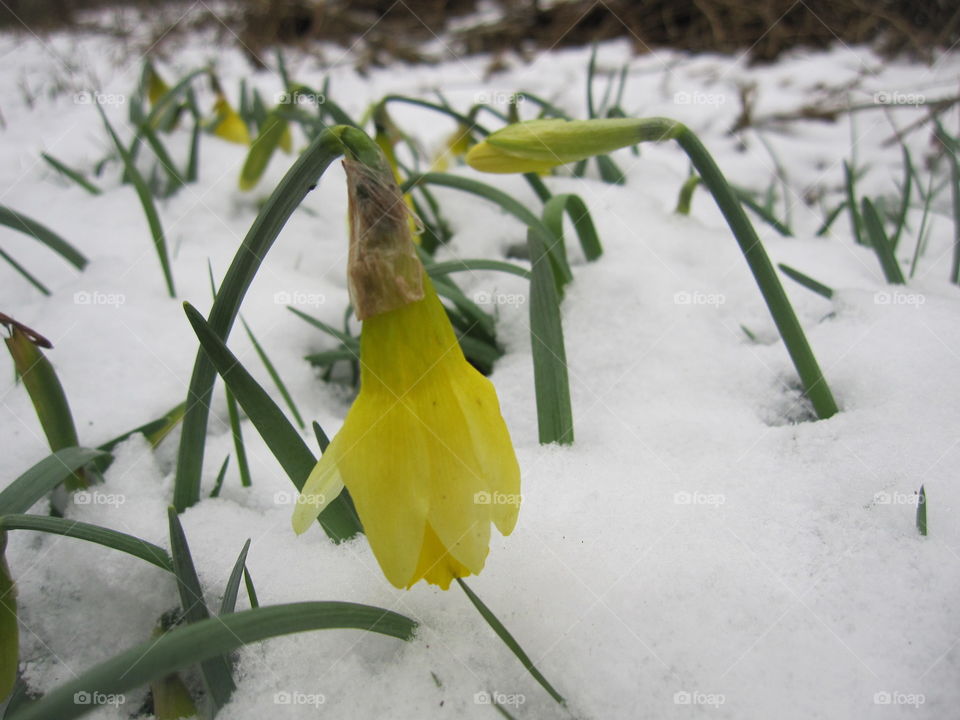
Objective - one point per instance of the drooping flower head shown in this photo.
(424, 450)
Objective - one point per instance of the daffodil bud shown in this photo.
(538, 145)
(383, 270)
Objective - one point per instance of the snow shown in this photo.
(702, 550)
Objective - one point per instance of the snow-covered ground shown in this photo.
(702, 550)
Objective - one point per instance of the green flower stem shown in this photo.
(763, 271)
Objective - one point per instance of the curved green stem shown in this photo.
(773, 294)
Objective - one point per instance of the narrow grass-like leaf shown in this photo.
(552, 243)
(874, 231)
(184, 646)
(808, 282)
(281, 437)
(47, 395)
(829, 219)
(25, 273)
(9, 626)
(71, 174)
(579, 215)
(348, 340)
(146, 200)
(551, 381)
(193, 160)
(610, 171)
(215, 669)
(175, 179)
(685, 198)
(763, 213)
(905, 194)
(856, 222)
(20, 495)
(243, 467)
(951, 146)
(251, 590)
(20, 222)
(154, 431)
(229, 602)
(922, 232)
(322, 440)
(922, 511)
(471, 265)
(218, 483)
(298, 181)
(113, 539)
(510, 641)
(274, 375)
(262, 149)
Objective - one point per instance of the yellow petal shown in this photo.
(382, 464)
(321, 488)
(230, 125)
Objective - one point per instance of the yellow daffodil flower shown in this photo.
(424, 450)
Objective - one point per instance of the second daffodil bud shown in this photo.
(539, 145)
(424, 450)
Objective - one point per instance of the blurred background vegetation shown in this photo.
(384, 30)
